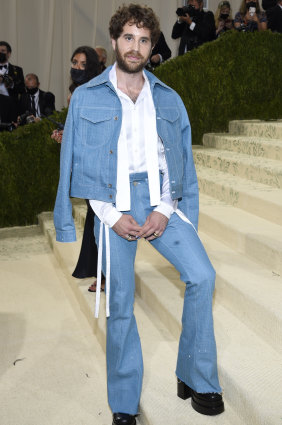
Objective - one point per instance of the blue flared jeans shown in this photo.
(181, 246)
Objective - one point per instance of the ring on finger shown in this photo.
(129, 237)
(156, 234)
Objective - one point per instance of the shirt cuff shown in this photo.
(192, 26)
(106, 212)
(166, 209)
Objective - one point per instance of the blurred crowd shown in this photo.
(22, 100)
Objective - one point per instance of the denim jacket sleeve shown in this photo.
(189, 203)
(63, 220)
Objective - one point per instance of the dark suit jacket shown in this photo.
(161, 48)
(203, 31)
(8, 109)
(274, 18)
(46, 103)
(16, 73)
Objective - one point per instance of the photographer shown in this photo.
(35, 102)
(194, 26)
(11, 76)
(11, 85)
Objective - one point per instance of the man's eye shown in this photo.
(128, 38)
(144, 41)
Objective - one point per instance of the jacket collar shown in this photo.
(104, 79)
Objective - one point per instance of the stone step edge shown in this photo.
(251, 292)
(247, 195)
(256, 162)
(273, 127)
(98, 326)
(253, 236)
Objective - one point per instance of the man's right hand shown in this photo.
(126, 226)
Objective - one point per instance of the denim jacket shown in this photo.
(88, 166)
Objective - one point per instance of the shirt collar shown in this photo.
(113, 80)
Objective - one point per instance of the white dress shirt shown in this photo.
(132, 135)
(4, 71)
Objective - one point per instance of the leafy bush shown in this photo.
(29, 164)
(238, 76)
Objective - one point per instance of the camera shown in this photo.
(181, 11)
(7, 80)
(26, 118)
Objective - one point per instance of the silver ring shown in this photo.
(129, 237)
(156, 234)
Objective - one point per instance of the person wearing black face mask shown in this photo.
(34, 100)
(11, 84)
(194, 26)
(85, 65)
(223, 18)
(250, 17)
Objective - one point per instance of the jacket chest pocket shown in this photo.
(168, 122)
(96, 126)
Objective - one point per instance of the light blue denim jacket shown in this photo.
(88, 167)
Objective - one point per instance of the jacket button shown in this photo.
(115, 118)
(110, 196)
(111, 151)
(109, 185)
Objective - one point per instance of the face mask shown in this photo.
(224, 16)
(78, 75)
(251, 4)
(3, 57)
(31, 91)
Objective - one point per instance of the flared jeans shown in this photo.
(181, 246)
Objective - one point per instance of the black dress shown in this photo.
(88, 257)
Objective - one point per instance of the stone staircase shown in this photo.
(240, 180)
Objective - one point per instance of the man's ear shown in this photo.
(114, 43)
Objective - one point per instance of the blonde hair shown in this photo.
(222, 4)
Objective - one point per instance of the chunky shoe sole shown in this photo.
(205, 407)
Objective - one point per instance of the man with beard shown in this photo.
(194, 26)
(127, 148)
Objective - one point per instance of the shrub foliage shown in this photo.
(237, 76)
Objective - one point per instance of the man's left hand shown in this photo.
(154, 226)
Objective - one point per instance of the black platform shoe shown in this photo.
(205, 403)
(123, 419)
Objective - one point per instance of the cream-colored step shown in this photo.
(253, 236)
(256, 198)
(262, 170)
(250, 370)
(257, 128)
(249, 145)
(52, 369)
(158, 344)
(250, 291)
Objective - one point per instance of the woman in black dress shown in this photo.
(84, 66)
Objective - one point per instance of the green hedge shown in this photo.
(29, 164)
(238, 76)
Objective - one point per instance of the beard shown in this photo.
(131, 67)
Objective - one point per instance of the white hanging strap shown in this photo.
(99, 271)
(108, 270)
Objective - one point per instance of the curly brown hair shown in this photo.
(141, 16)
